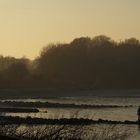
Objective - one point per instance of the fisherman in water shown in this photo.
(138, 113)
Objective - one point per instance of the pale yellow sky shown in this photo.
(28, 25)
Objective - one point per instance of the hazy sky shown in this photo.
(28, 25)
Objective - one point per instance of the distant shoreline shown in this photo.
(54, 93)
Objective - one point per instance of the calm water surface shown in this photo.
(121, 114)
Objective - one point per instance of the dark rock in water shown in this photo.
(19, 110)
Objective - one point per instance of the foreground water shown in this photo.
(109, 113)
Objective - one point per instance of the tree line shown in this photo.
(84, 63)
